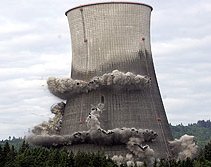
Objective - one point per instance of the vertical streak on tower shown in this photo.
(106, 37)
(85, 39)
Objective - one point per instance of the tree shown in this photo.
(23, 147)
(1, 156)
(207, 151)
(70, 160)
(9, 161)
(4, 153)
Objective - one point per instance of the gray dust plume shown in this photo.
(66, 87)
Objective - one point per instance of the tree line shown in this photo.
(27, 156)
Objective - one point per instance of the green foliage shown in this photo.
(207, 152)
(27, 156)
(201, 130)
(16, 142)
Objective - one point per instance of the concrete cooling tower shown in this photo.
(113, 102)
(107, 37)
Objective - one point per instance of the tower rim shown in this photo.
(101, 3)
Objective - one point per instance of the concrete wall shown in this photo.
(110, 36)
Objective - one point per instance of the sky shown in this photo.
(35, 44)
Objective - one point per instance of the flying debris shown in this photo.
(141, 147)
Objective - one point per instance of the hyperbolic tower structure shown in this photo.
(114, 36)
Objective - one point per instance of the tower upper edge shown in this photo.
(101, 3)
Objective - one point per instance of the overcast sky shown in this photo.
(35, 44)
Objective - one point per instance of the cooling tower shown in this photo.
(107, 37)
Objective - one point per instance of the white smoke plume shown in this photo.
(53, 126)
(183, 148)
(66, 87)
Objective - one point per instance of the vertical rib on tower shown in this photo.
(105, 37)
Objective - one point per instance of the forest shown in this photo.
(27, 156)
(15, 152)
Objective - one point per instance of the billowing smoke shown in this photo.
(184, 147)
(117, 80)
(139, 153)
(132, 137)
(47, 135)
(94, 136)
(53, 126)
(47, 140)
